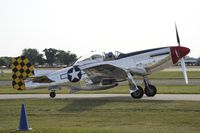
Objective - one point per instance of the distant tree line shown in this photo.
(5, 61)
(51, 57)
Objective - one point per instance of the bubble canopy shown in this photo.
(95, 56)
(91, 57)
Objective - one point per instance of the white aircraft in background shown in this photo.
(99, 72)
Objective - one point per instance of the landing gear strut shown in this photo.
(135, 91)
(150, 90)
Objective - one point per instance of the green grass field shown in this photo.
(102, 116)
(123, 89)
(6, 77)
(105, 115)
(174, 75)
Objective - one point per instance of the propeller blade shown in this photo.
(184, 70)
(177, 36)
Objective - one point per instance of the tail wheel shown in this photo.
(138, 93)
(151, 91)
(52, 94)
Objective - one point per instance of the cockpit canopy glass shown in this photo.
(95, 56)
(92, 56)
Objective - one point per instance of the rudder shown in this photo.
(21, 69)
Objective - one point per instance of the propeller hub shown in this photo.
(178, 52)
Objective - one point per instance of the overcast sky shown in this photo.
(81, 26)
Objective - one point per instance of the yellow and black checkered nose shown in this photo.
(21, 69)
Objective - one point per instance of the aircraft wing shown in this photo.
(105, 72)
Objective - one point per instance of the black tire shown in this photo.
(52, 94)
(138, 94)
(151, 91)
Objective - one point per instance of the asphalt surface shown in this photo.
(165, 97)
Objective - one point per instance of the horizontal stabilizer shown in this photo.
(41, 79)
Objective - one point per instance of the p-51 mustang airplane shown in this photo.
(99, 72)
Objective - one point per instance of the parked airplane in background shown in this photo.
(99, 72)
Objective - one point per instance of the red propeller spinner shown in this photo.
(178, 52)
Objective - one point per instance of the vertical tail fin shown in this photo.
(21, 69)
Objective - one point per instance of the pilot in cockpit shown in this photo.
(109, 56)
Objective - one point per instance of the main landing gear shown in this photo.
(150, 90)
(137, 91)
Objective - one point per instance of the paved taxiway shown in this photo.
(182, 97)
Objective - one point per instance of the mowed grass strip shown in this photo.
(174, 75)
(122, 89)
(114, 115)
(6, 77)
